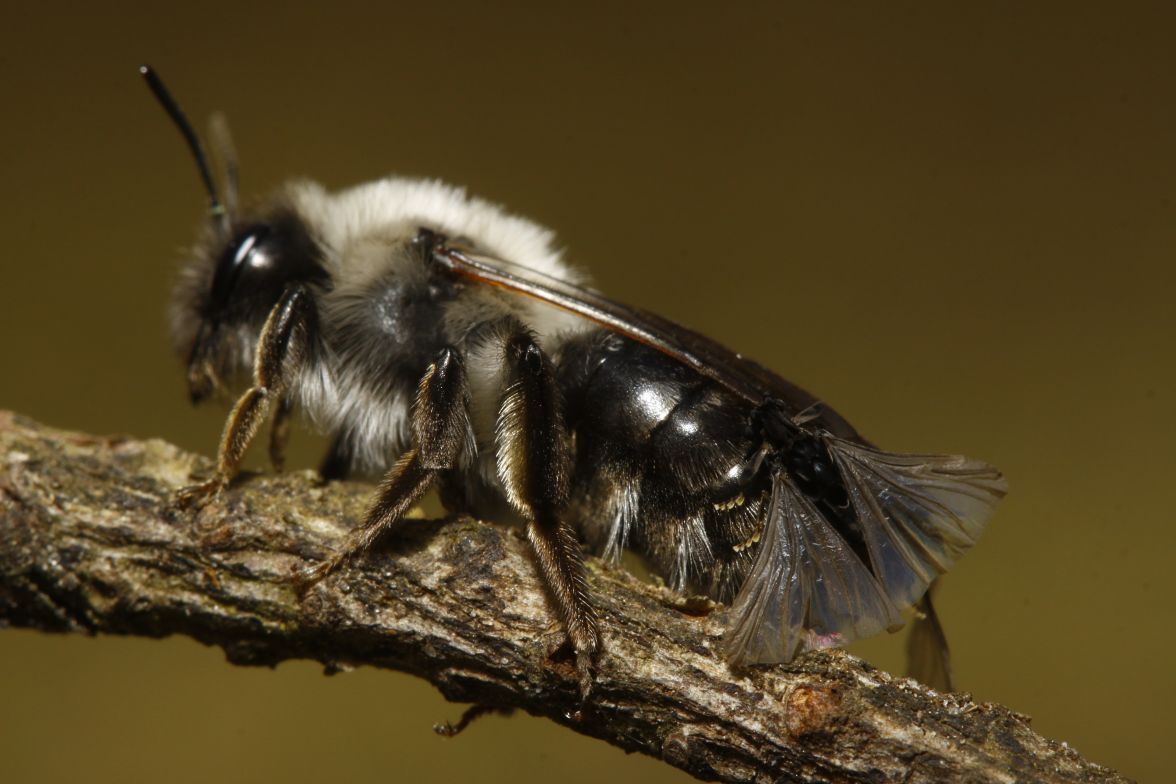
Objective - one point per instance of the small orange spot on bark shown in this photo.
(811, 709)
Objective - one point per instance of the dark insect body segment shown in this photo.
(692, 461)
(262, 261)
(249, 277)
(656, 448)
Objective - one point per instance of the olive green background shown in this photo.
(957, 226)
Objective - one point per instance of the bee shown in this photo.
(445, 343)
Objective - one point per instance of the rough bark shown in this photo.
(88, 544)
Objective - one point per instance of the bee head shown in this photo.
(228, 287)
(238, 270)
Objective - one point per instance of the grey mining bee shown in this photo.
(444, 342)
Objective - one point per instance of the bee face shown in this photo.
(229, 287)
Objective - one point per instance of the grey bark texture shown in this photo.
(89, 544)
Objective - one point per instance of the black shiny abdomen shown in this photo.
(660, 462)
(678, 468)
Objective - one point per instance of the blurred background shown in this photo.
(957, 226)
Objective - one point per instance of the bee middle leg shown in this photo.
(534, 462)
(441, 430)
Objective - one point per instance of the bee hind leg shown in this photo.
(534, 461)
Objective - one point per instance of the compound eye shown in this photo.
(256, 265)
(246, 265)
(251, 251)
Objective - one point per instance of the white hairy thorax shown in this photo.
(365, 233)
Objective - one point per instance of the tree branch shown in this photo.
(88, 544)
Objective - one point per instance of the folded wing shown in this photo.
(809, 589)
(919, 513)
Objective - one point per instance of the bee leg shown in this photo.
(336, 462)
(280, 347)
(441, 428)
(928, 657)
(280, 434)
(468, 717)
(534, 465)
(402, 487)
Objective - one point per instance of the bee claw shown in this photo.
(196, 497)
(586, 667)
(308, 577)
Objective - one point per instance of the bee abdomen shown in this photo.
(663, 451)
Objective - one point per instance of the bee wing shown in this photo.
(918, 513)
(807, 589)
(736, 372)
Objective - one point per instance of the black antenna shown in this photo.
(177, 115)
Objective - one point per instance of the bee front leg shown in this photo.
(534, 461)
(441, 429)
(280, 348)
